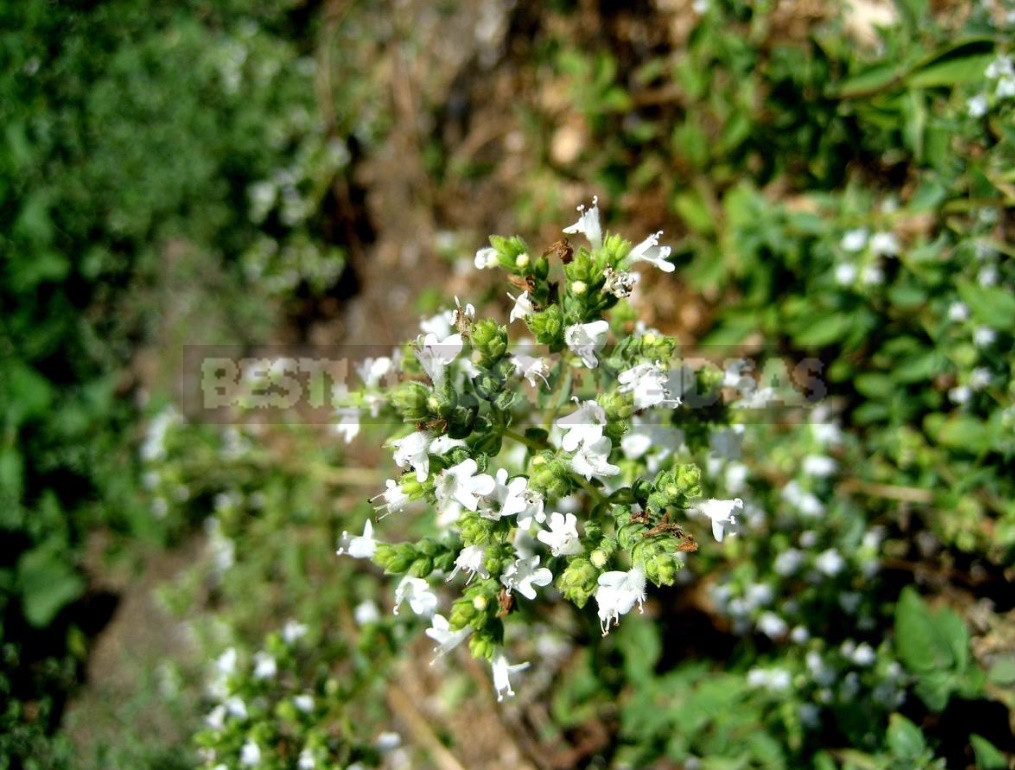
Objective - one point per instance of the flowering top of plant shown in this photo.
(546, 465)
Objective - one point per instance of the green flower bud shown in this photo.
(548, 327)
(660, 565)
(411, 400)
(394, 558)
(482, 646)
(550, 475)
(489, 340)
(578, 582)
(522, 261)
(541, 268)
(579, 287)
(599, 558)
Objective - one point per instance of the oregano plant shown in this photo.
(549, 465)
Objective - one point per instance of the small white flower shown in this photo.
(531, 368)
(524, 575)
(250, 754)
(885, 244)
(534, 505)
(462, 485)
(864, 655)
(872, 275)
(509, 496)
(988, 276)
(582, 426)
(984, 336)
(788, 562)
(440, 326)
(650, 251)
(586, 340)
(365, 613)
(265, 666)
(854, 240)
(588, 224)
(1001, 66)
(348, 424)
(830, 562)
(818, 465)
(236, 707)
(617, 594)
(414, 451)
(775, 679)
(722, 514)
(960, 394)
(486, 258)
(435, 355)
(470, 559)
(225, 664)
(293, 631)
(417, 592)
(306, 760)
(771, 625)
(522, 308)
(388, 741)
(562, 537)
(977, 106)
(216, 718)
(1005, 88)
(958, 312)
(304, 702)
(593, 459)
(441, 445)
(979, 378)
(440, 631)
(394, 498)
(361, 546)
(805, 502)
(502, 671)
(373, 370)
(648, 383)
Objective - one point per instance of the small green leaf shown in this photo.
(987, 755)
(920, 643)
(904, 738)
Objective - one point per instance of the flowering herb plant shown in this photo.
(546, 464)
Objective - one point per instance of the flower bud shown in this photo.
(550, 475)
(489, 340)
(599, 558)
(411, 400)
(548, 327)
(522, 261)
(578, 581)
(579, 287)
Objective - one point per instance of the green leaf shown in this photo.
(990, 305)
(47, 583)
(960, 432)
(958, 63)
(904, 738)
(935, 689)
(824, 330)
(987, 755)
(921, 645)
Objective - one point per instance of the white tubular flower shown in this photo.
(293, 631)
(470, 559)
(722, 513)
(617, 594)
(524, 575)
(373, 370)
(958, 312)
(648, 384)
(417, 592)
(854, 240)
(435, 355)
(523, 307)
(531, 368)
(509, 495)
(462, 485)
(588, 224)
(977, 106)
(413, 450)
(440, 326)
(585, 340)
(818, 465)
(250, 754)
(502, 671)
(885, 244)
(650, 251)
(562, 537)
(394, 498)
(830, 562)
(440, 631)
(265, 666)
(486, 258)
(582, 426)
(441, 445)
(534, 505)
(358, 547)
(984, 336)
(348, 423)
(593, 459)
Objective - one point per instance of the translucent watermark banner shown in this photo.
(319, 384)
